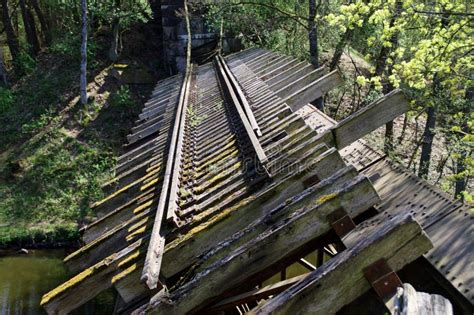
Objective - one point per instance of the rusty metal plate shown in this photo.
(341, 222)
(382, 278)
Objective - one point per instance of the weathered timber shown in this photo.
(90, 282)
(289, 76)
(254, 295)
(151, 269)
(297, 85)
(370, 118)
(279, 235)
(242, 98)
(340, 280)
(313, 90)
(215, 225)
(410, 302)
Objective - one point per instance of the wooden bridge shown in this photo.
(230, 177)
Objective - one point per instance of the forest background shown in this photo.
(57, 148)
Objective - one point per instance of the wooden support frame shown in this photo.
(341, 280)
(265, 247)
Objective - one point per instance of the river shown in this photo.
(24, 278)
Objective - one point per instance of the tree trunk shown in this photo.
(114, 47)
(313, 44)
(340, 48)
(428, 135)
(83, 83)
(12, 40)
(155, 6)
(30, 29)
(3, 70)
(461, 182)
(44, 24)
(380, 68)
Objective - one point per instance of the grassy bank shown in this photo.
(55, 153)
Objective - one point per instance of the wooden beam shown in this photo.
(313, 90)
(370, 118)
(89, 283)
(254, 295)
(242, 98)
(151, 269)
(341, 280)
(261, 243)
(289, 75)
(302, 82)
(183, 251)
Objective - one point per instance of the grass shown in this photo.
(55, 153)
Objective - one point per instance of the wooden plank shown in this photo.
(251, 250)
(242, 98)
(280, 69)
(453, 254)
(260, 153)
(313, 90)
(289, 75)
(341, 280)
(370, 118)
(254, 295)
(297, 85)
(87, 284)
(213, 227)
(151, 269)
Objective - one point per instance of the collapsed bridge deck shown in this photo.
(231, 176)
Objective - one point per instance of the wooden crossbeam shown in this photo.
(341, 280)
(87, 284)
(370, 118)
(313, 90)
(181, 253)
(303, 81)
(260, 244)
(254, 295)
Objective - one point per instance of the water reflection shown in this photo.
(25, 278)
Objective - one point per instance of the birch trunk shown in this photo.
(84, 96)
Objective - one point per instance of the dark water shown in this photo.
(25, 278)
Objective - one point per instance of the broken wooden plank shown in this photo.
(341, 280)
(370, 118)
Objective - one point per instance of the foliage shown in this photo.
(25, 64)
(7, 99)
(122, 98)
